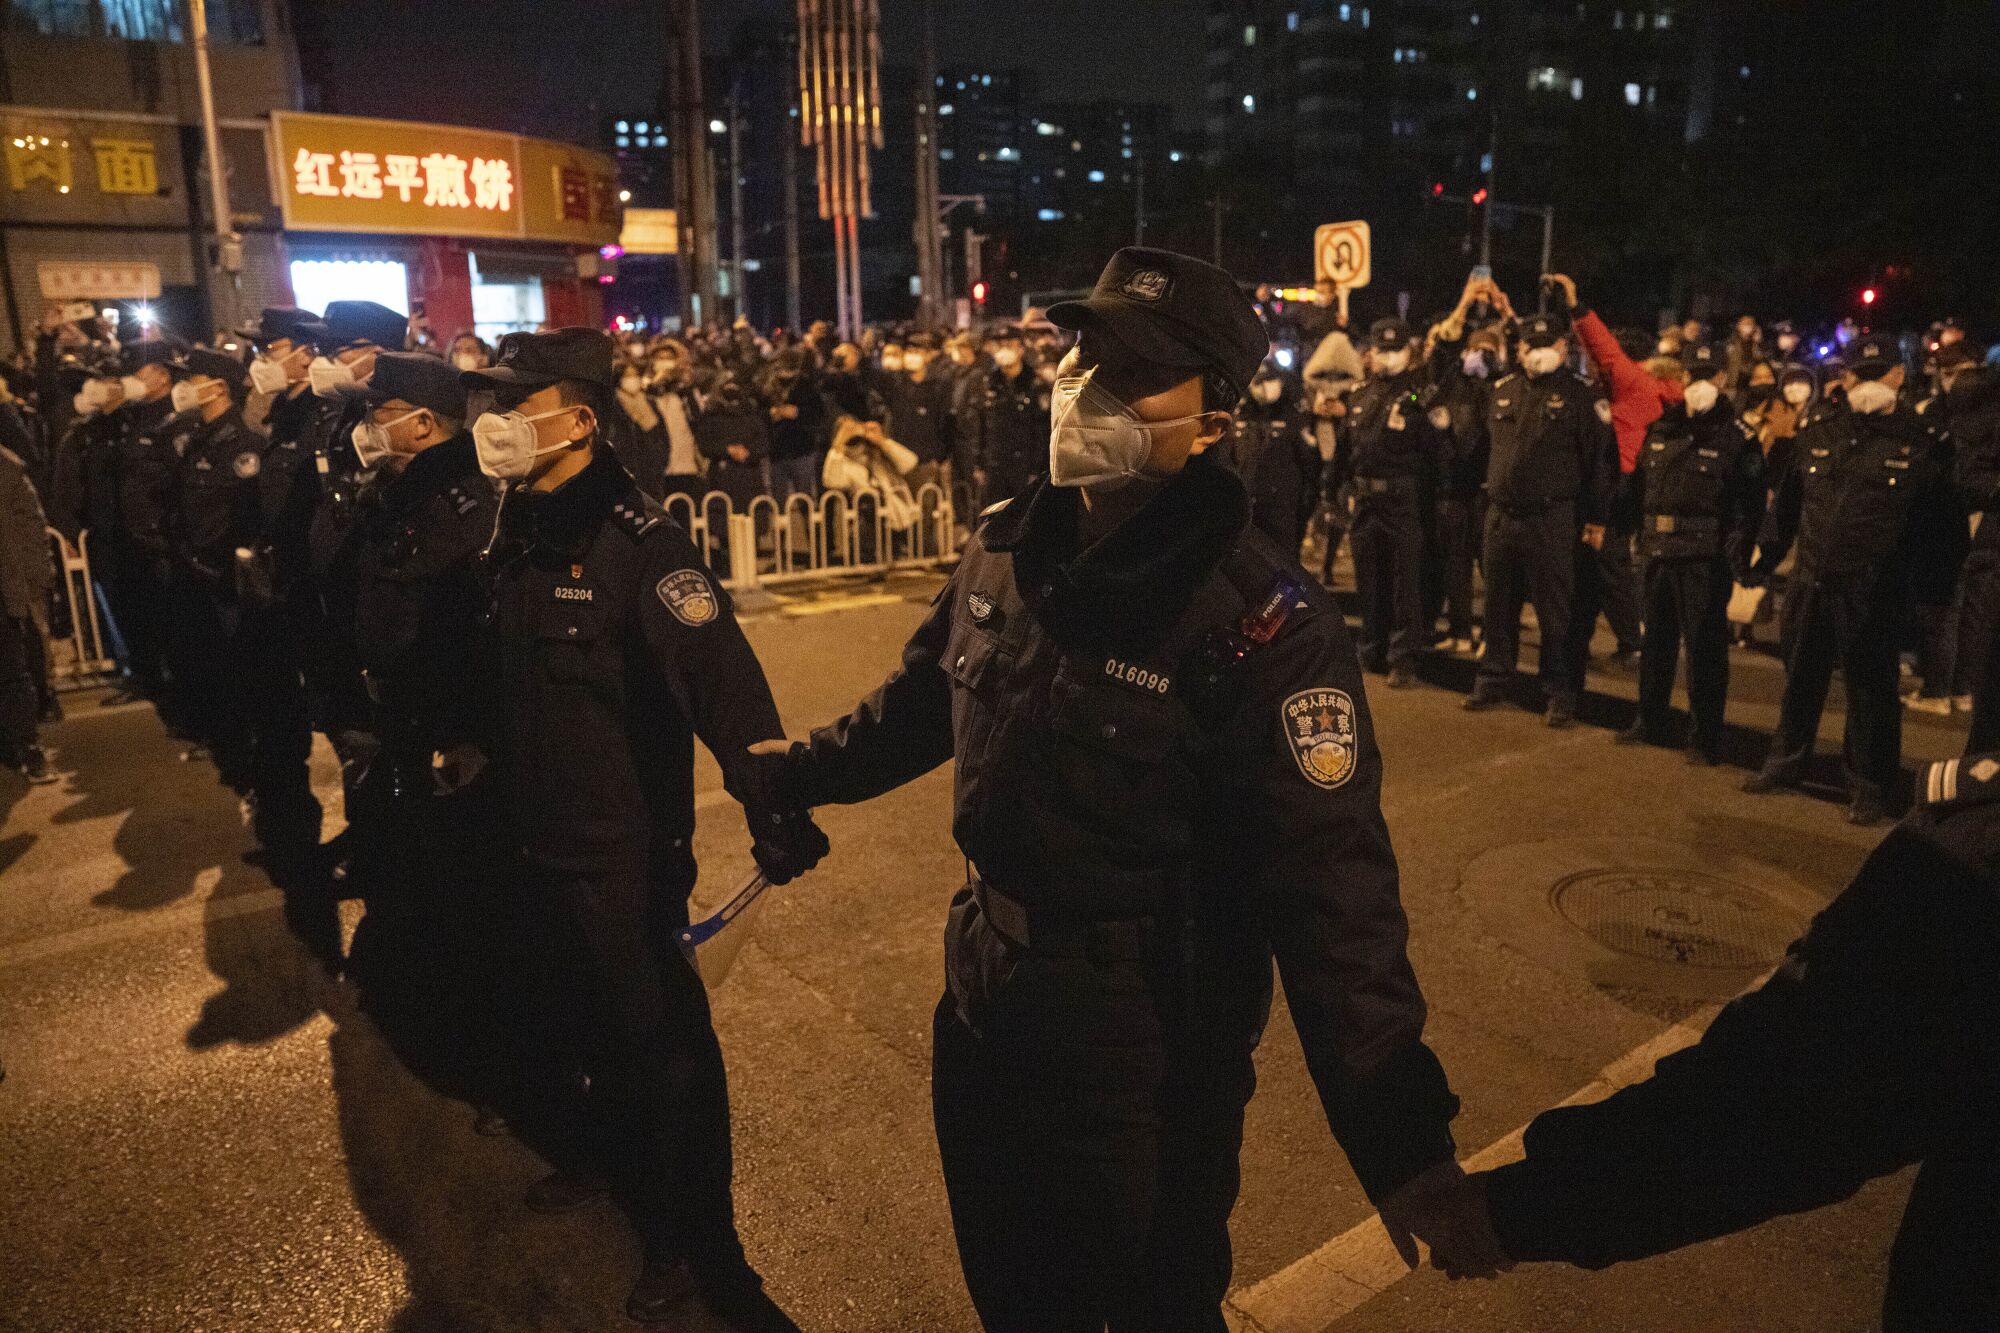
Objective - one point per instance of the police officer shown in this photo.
(441, 920)
(1006, 412)
(1968, 407)
(212, 512)
(1165, 775)
(145, 469)
(1873, 1048)
(1462, 368)
(1278, 461)
(1699, 492)
(1867, 500)
(617, 648)
(1391, 456)
(1549, 436)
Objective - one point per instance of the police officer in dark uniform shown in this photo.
(1007, 411)
(1699, 491)
(1165, 776)
(617, 648)
(1392, 457)
(1868, 501)
(1279, 463)
(212, 513)
(1462, 375)
(1967, 408)
(1550, 439)
(145, 471)
(1875, 1047)
(440, 918)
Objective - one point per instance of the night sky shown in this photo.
(549, 69)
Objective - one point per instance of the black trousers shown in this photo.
(287, 819)
(19, 641)
(1089, 1127)
(1606, 585)
(1529, 556)
(1687, 604)
(1979, 641)
(1851, 624)
(1388, 541)
(1458, 539)
(627, 1008)
(140, 601)
(207, 674)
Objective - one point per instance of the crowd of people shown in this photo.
(453, 563)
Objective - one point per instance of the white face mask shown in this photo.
(1787, 341)
(371, 439)
(466, 360)
(1094, 438)
(1701, 395)
(1871, 397)
(505, 443)
(96, 396)
(1268, 391)
(268, 376)
(134, 387)
(1797, 393)
(329, 377)
(1541, 360)
(188, 396)
(1006, 357)
(1393, 363)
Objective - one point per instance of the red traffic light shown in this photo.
(1868, 296)
(979, 293)
(1479, 195)
(1437, 188)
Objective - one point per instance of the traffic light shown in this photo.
(1868, 296)
(979, 293)
(1437, 189)
(1479, 196)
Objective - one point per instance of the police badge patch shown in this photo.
(686, 593)
(1148, 284)
(1320, 726)
(246, 465)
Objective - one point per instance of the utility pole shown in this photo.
(737, 295)
(694, 168)
(228, 245)
(1486, 211)
(928, 222)
(791, 174)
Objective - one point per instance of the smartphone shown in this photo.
(1482, 272)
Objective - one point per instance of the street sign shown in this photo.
(65, 280)
(1341, 252)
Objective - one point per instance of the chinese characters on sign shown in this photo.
(66, 281)
(126, 166)
(39, 161)
(440, 177)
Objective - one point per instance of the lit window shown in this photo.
(1050, 215)
(1126, 152)
(986, 80)
(1062, 173)
(1743, 72)
(1472, 94)
(1631, 94)
(1250, 35)
(1097, 178)
(1076, 145)
(1639, 21)
(947, 154)
(1543, 78)
(1009, 155)
(1250, 103)
(643, 127)
(944, 108)
(1046, 129)
(1174, 156)
(1292, 21)
(624, 127)
(1576, 90)
(1475, 18)
(1126, 140)
(1618, 20)
(1652, 92)
(1663, 20)
(1346, 13)
(624, 141)
(324, 280)
(1364, 16)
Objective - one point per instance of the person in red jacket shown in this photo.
(1606, 582)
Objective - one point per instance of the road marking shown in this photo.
(1360, 1264)
(849, 602)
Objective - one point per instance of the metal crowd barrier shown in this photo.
(804, 538)
(90, 655)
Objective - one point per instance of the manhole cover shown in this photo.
(1676, 916)
(1641, 913)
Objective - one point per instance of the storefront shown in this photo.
(484, 231)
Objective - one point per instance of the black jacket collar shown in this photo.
(1138, 578)
(432, 472)
(568, 516)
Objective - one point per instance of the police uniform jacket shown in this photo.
(146, 467)
(1011, 418)
(1458, 405)
(617, 649)
(1124, 747)
(421, 629)
(214, 506)
(1867, 499)
(1390, 446)
(1550, 443)
(1970, 415)
(84, 492)
(1699, 486)
(1278, 465)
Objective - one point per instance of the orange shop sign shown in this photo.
(353, 174)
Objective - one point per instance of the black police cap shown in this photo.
(1793, 371)
(351, 322)
(1389, 335)
(152, 351)
(531, 361)
(419, 379)
(1543, 330)
(1871, 357)
(285, 321)
(215, 365)
(1704, 359)
(1173, 310)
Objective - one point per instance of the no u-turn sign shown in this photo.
(1341, 252)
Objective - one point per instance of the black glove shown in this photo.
(786, 845)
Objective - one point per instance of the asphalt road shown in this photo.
(197, 1133)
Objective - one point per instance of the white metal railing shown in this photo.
(804, 538)
(90, 659)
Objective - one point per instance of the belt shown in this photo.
(1697, 525)
(1383, 485)
(1059, 935)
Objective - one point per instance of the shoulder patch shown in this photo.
(461, 500)
(247, 464)
(1603, 410)
(689, 595)
(636, 517)
(1319, 728)
(1965, 781)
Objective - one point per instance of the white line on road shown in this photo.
(1312, 1293)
